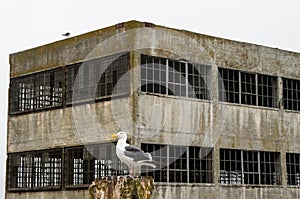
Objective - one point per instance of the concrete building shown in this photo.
(221, 116)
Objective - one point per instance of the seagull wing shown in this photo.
(137, 154)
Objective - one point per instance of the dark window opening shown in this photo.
(229, 85)
(84, 164)
(97, 79)
(180, 163)
(291, 94)
(246, 88)
(267, 91)
(171, 77)
(36, 91)
(249, 167)
(35, 170)
(293, 169)
(100, 78)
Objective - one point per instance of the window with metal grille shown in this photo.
(249, 167)
(267, 91)
(35, 170)
(291, 94)
(172, 77)
(180, 163)
(229, 88)
(36, 91)
(293, 169)
(97, 78)
(247, 88)
(85, 163)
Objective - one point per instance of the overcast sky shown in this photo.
(30, 23)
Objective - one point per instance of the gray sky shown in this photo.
(30, 23)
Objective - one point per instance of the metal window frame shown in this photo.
(86, 84)
(264, 175)
(180, 165)
(89, 166)
(293, 169)
(57, 87)
(245, 96)
(291, 94)
(42, 90)
(35, 170)
(177, 78)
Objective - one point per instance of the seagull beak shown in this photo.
(114, 136)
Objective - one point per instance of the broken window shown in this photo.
(247, 88)
(291, 94)
(293, 169)
(180, 163)
(84, 164)
(36, 91)
(249, 167)
(34, 170)
(97, 78)
(172, 77)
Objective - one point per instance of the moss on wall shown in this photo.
(121, 188)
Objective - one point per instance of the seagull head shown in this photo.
(120, 135)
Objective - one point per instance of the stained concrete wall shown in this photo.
(181, 192)
(196, 122)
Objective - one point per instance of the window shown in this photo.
(229, 85)
(84, 164)
(247, 88)
(291, 94)
(96, 79)
(171, 77)
(36, 91)
(180, 163)
(249, 167)
(267, 91)
(35, 170)
(293, 169)
(80, 82)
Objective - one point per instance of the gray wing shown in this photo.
(136, 153)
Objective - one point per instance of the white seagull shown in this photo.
(131, 155)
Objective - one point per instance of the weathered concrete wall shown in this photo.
(222, 192)
(181, 192)
(71, 126)
(84, 194)
(222, 52)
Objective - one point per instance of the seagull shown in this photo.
(67, 34)
(131, 155)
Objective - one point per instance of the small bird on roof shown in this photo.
(67, 34)
(131, 155)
